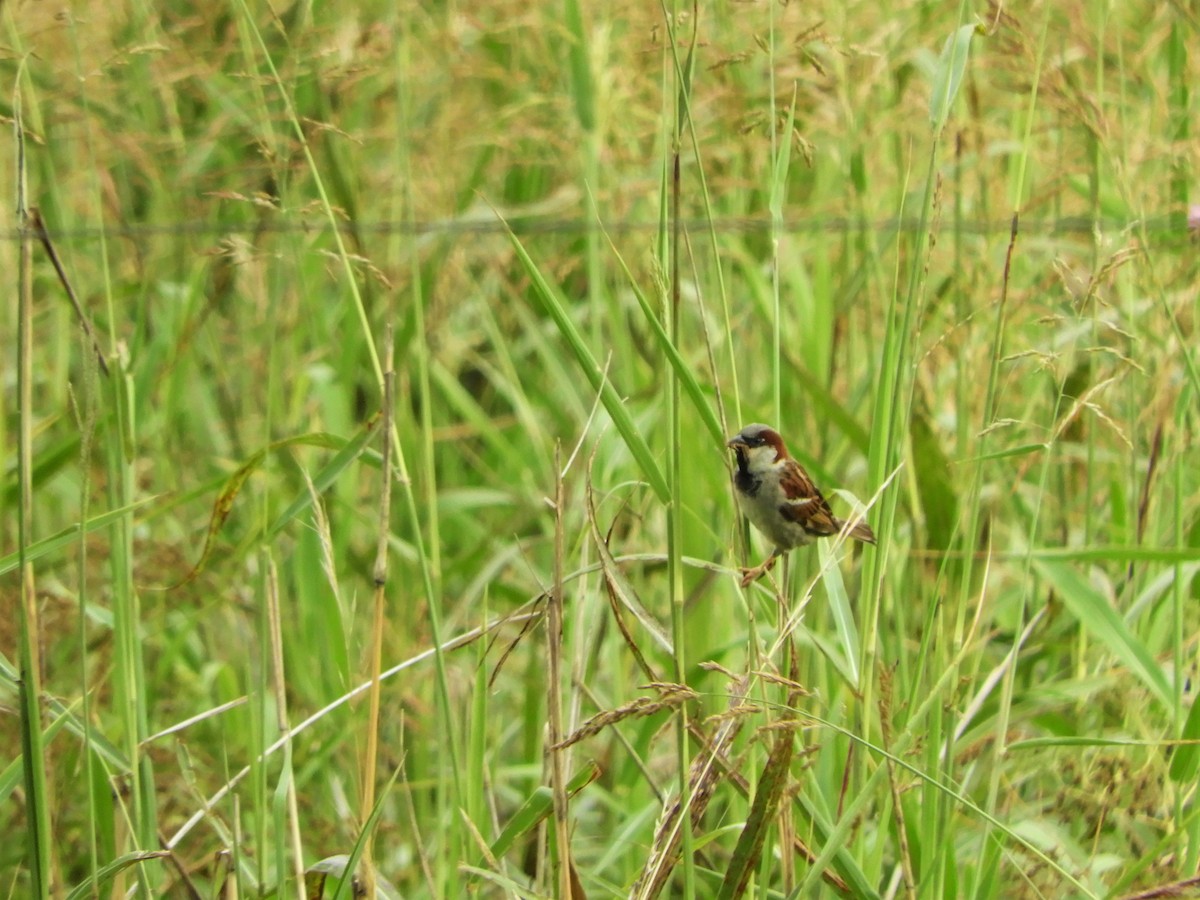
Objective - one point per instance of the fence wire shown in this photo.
(1164, 229)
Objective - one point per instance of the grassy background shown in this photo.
(987, 704)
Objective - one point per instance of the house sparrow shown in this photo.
(776, 494)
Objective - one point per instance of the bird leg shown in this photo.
(750, 575)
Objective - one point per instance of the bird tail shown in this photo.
(860, 532)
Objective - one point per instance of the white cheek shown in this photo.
(762, 457)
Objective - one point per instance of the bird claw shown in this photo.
(750, 575)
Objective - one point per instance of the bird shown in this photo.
(777, 496)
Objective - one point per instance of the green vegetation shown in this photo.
(945, 250)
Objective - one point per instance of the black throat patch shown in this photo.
(742, 479)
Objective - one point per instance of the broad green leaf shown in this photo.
(614, 404)
(939, 502)
(538, 806)
(91, 888)
(349, 452)
(783, 160)
(1185, 760)
(1116, 554)
(346, 887)
(685, 373)
(843, 615)
(583, 91)
(947, 79)
(1096, 614)
(70, 535)
(763, 811)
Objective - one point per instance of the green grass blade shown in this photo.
(1097, 615)
(1185, 761)
(613, 403)
(537, 806)
(839, 606)
(771, 788)
(684, 372)
(70, 534)
(345, 887)
(329, 473)
(90, 887)
(583, 91)
(952, 66)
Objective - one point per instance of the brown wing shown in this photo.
(805, 506)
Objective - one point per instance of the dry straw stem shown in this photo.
(281, 712)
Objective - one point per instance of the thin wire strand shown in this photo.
(1068, 225)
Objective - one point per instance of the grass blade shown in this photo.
(952, 65)
(1096, 614)
(613, 403)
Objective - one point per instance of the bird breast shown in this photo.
(760, 500)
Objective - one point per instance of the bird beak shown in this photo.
(736, 441)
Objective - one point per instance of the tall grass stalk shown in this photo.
(677, 85)
(129, 665)
(86, 415)
(379, 609)
(37, 800)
